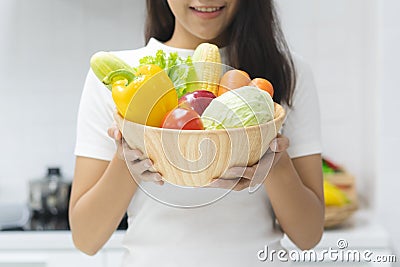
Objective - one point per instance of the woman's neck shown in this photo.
(185, 40)
(178, 41)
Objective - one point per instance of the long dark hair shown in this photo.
(256, 42)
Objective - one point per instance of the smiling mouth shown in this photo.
(207, 9)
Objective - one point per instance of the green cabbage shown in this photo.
(242, 107)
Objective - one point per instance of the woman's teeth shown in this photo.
(207, 9)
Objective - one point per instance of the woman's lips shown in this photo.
(207, 12)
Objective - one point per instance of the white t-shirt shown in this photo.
(177, 226)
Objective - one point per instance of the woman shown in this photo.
(230, 229)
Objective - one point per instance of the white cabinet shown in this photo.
(54, 249)
(112, 257)
(61, 258)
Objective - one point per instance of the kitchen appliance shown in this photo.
(47, 207)
(49, 195)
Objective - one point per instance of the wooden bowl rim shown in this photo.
(280, 116)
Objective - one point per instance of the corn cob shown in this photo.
(103, 63)
(209, 72)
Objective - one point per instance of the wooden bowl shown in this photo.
(194, 157)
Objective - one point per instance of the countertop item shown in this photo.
(344, 181)
(49, 194)
(13, 216)
(46, 223)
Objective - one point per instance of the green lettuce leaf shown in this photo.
(180, 70)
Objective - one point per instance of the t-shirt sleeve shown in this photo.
(302, 125)
(95, 116)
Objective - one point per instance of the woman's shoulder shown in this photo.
(304, 75)
(131, 56)
(305, 89)
(302, 65)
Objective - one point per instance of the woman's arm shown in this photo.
(295, 189)
(102, 191)
(294, 186)
(100, 195)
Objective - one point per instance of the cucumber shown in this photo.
(103, 63)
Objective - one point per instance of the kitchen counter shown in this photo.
(362, 232)
(362, 235)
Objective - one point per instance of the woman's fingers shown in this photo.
(237, 184)
(110, 132)
(129, 153)
(242, 184)
(140, 166)
(141, 170)
(152, 177)
(239, 178)
(114, 132)
(238, 172)
(132, 154)
(279, 144)
(223, 183)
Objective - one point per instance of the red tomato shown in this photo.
(263, 84)
(182, 119)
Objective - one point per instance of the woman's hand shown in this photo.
(239, 178)
(139, 167)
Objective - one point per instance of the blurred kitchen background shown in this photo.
(351, 45)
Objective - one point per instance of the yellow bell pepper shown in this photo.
(144, 97)
(333, 195)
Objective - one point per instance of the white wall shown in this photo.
(353, 48)
(45, 47)
(388, 178)
(338, 39)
